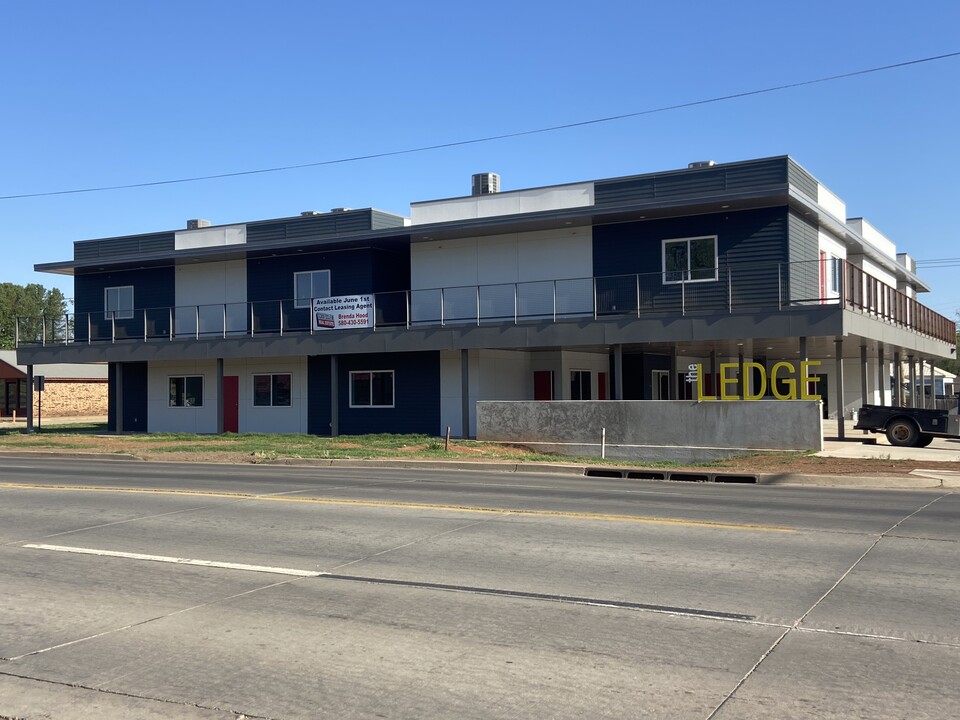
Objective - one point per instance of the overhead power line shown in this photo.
(492, 138)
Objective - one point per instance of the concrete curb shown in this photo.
(915, 482)
(23, 454)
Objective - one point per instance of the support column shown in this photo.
(921, 387)
(913, 381)
(220, 394)
(334, 397)
(29, 398)
(897, 379)
(119, 396)
(713, 373)
(674, 383)
(618, 372)
(883, 383)
(465, 393)
(741, 380)
(841, 430)
(864, 369)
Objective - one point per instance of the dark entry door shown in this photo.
(543, 385)
(231, 403)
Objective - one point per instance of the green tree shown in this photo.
(952, 365)
(41, 312)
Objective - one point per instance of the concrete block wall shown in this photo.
(680, 430)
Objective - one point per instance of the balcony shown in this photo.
(740, 288)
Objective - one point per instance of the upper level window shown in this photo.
(833, 270)
(309, 285)
(690, 259)
(271, 390)
(118, 302)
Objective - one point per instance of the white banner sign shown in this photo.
(337, 313)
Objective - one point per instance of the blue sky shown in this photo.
(109, 93)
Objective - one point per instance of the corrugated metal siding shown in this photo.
(123, 247)
(750, 246)
(266, 232)
(758, 175)
(804, 277)
(802, 180)
(321, 226)
(381, 220)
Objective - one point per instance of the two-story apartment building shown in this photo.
(355, 321)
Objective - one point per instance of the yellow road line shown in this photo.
(409, 506)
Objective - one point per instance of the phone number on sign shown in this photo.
(364, 320)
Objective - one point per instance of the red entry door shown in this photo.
(231, 403)
(543, 385)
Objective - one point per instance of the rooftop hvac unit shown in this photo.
(197, 224)
(700, 164)
(485, 184)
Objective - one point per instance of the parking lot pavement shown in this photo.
(858, 444)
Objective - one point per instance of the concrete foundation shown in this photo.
(680, 431)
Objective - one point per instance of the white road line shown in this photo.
(177, 561)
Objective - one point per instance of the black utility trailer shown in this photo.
(908, 427)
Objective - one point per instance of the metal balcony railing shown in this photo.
(744, 287)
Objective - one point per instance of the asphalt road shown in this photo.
(136, 590)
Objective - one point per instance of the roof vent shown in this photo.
(485, 184)
(339, 210)
(310, 213)
(700, 164)
(197, 224)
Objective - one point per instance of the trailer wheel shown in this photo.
(903, 432)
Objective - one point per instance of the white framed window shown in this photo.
(271, 390)
(692, 259)
(118, 302)
(309, 285)
(186, 391)
(371, 388)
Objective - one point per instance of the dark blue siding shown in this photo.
(134, 396)
(416, 394)
(318, 395)
(153, 289)
(352, 272)
(750, 245)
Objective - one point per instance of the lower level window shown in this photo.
(371, 388)
(271, 390)
(579, 384)
(186, 391)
